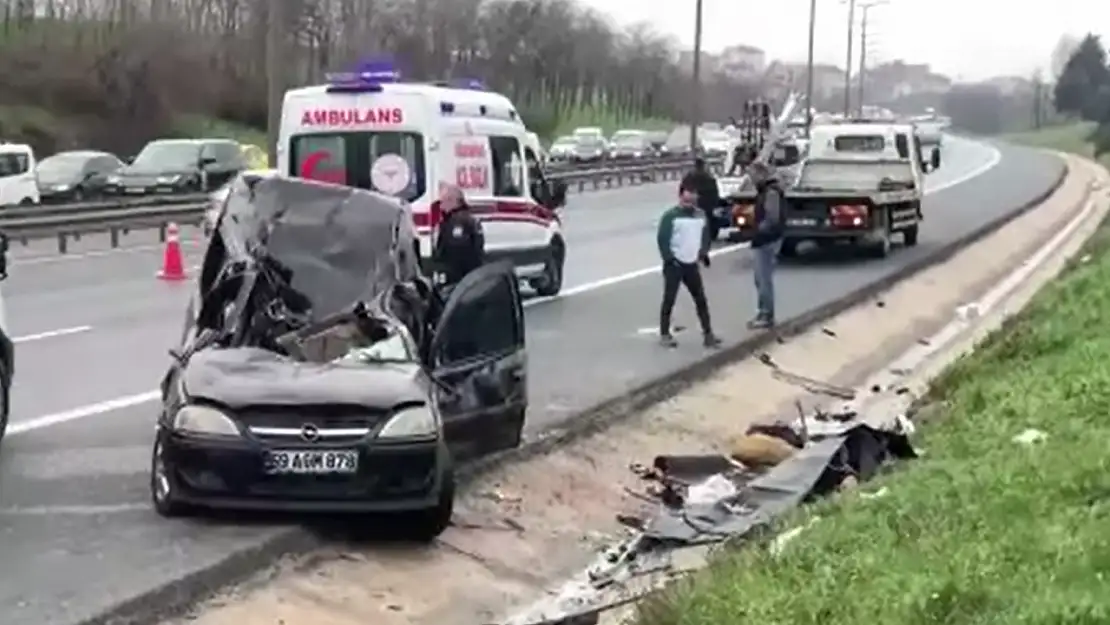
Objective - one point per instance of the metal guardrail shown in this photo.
(70, 221)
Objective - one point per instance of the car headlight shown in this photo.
(204, 421)
(416, 422)
(112, 180)
(169, 179)
(61, 188)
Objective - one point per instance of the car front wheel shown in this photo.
(163, 490)
(551, 282)
(427, 525)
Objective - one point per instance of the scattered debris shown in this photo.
(1030, 436)
(968, 312)
(828, 332)
(780, 541)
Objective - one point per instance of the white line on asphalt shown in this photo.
(27, 338)
(91, 410)
(58, 418)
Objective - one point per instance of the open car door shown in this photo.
(477, 356)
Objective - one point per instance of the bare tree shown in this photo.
(114, 73)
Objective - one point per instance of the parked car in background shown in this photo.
(589, 150)
(658, 142)
(562, 149)
(17, 175)
(715, 142)
(218, 198)
(678, 142)
(75, 176)
(255, 156)
(178, 166)
(629, 144)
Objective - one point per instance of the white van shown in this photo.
(18, 183)
(370, 130)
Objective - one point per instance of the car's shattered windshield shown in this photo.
(334, 246)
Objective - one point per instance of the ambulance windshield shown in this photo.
(391, 163)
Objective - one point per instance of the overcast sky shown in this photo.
(965, 39)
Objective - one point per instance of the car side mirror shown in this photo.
(935, 159)
(558, 193)
(207, 161)
(3, 256)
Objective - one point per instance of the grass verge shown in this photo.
(982, 529)
(1072, 138)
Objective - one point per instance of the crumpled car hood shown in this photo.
(248, 376)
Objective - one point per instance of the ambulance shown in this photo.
(369, 129)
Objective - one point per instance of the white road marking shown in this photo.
(119, 403)
(75, 510)
(91, 410)
(28, 338)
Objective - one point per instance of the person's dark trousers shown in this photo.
(675, 274)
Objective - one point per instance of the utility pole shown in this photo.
(695, 112)
(848, 62)
(276, 21)
(862, 57)
(809, 66)
(866, 10)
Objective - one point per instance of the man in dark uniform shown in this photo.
(705, 185)
(460, 244)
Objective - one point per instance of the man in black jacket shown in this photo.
(766, 241)
(460, 244)
(705, 183)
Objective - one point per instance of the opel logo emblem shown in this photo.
(310, 432)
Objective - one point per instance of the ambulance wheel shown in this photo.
(909, 236)
(551, 282)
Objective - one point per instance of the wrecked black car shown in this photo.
(319, 371)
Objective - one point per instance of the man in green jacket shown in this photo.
(683, 240)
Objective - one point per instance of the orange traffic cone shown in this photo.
(173, 263)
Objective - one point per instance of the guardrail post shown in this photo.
(114, 234)
(24, 241)
(581, 186)
(162, 233)
(62, 243)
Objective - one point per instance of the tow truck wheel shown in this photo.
(880, 248)
(788, 248)
(428, 524)
(162, 487)
(551, 282)
(909, 236)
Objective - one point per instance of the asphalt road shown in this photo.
(76, 535)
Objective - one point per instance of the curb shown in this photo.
(177, 598)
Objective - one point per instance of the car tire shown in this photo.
(162, 487)
(909, 236)
(551, 282)
(426, 525)
(26, 202)
(5, 390)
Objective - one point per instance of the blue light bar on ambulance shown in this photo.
(368, 77)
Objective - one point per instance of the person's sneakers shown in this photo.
(711, 340)
(666, 340)
(761, 323)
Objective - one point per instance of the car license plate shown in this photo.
(136, 190)
(801, 221)
(311, 462)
